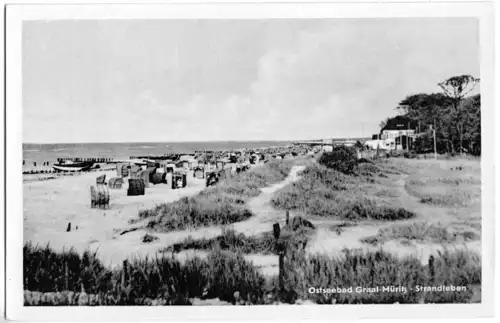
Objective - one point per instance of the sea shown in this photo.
(40, 153)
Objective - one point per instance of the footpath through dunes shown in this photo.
(261, 221)
(433, 228)
(49, 206)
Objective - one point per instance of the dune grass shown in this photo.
(382, 269)
(452, 183)
(298, 230)
(229, 240)
(219, 205)
(44, 270)
(452, 190)
(328, 193)
(163, 278)
(222, 273)
(422, 232)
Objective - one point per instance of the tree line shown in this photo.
(454, 114)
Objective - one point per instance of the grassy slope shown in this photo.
(219, 205)
(328, 193)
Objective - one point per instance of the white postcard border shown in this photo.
(17, 13)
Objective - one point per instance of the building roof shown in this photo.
(399, 123)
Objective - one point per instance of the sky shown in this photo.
(220, 80)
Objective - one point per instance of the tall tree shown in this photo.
(471, 112)
(457, 88)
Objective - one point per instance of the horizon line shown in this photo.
(187, 141)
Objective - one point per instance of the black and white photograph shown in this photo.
(227, 161)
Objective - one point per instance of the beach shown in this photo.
(51, 204)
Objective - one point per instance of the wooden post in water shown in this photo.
(287, 217)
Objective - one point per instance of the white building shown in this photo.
(393, 134)
(327, 148)
(384, 144)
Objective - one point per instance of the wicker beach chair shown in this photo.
(99, 196)
(199, 172)
(115, 183)
(101, 179)
(136, 187)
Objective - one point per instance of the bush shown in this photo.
(342, 159)
(147, 238)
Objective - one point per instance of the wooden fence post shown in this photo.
(125, 273)
(282, 271)
(66, 276)
(431, 268)
(280, 248)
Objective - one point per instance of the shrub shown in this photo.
(299, 223)
(342, 159)
(149, 238)
(368, 169)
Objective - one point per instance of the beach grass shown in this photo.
(228, 276)
(230, 240)
(219, 205)
(378, 268)
(328, 193)
(220, 275)
(422, 232)
(436, 183)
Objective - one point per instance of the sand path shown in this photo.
(330, 242)
(264, 216)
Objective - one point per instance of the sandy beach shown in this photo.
(51, 204)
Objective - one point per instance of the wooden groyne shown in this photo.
(62, 173)
(86, 159)
(162, 157)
